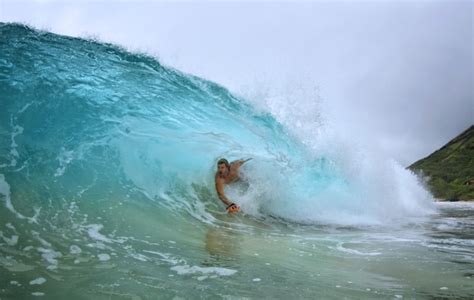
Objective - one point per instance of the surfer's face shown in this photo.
(222, 168)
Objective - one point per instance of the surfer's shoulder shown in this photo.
(219, 178)
(234, 164)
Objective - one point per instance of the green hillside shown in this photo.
(450, 170)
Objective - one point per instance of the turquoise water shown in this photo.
(107, 161)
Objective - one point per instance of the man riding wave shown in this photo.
(226, 174)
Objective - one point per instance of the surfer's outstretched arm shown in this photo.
(220, 192)
(241, 161)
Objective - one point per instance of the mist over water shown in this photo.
(107, 162)
(338, 179)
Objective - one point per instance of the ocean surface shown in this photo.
(107, 162)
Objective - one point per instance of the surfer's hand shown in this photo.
(233, 208)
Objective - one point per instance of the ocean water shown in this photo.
(107, 161)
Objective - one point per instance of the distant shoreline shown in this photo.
(449, 201)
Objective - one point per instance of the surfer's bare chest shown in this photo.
(232, 176)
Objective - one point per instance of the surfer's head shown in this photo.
(223, 166)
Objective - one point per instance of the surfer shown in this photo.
(226, 174)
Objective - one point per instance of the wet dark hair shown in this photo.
(223, 161)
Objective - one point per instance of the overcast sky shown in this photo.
(398, 75)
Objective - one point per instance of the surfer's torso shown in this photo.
(231, 176)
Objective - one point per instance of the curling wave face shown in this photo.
(82, 119)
